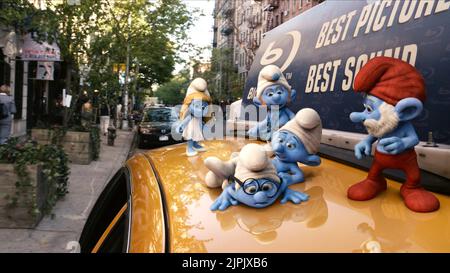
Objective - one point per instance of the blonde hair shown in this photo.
(5, 89)
(194, 96)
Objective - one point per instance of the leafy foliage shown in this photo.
(173, 91)
(93, 36)
(55, 168)
(154, 31)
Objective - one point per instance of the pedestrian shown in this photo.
(86, 114)
(104, 118)
(7, 109)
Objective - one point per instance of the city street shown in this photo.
(86, 182)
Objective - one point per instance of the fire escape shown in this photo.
(252, 43)
(271, 6)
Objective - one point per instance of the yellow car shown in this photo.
(158, 203)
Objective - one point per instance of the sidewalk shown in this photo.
(70, 213)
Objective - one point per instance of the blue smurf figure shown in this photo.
(248, 178)
(193, 115)
(296, 142)
(394, 96)
(273, 92)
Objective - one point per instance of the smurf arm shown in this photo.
(289, 112)
(312, 160)
(364, 146)
(296, 174)
(292, 176)
(395, 145)
(184, 123)
(224, 200)
(260, 128)
(294, 196)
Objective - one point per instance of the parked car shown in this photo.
(158, 203)
(155, 128)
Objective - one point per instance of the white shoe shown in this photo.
(202, 149)
(194, 153)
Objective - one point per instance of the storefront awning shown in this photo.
(34, 51)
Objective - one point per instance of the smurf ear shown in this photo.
(293, 95)
(408, 108)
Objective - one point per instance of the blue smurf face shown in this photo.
(257, 193)
(288, 147)
(371, 110)
(198, 108)
(275, 95)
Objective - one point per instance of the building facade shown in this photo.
(223, 44)
(21, 62)
(246, 21)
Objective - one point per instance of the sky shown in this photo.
(201, 34)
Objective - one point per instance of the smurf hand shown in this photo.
(223, 201)
(392, 145)
(285, 177)
(179, 129)
(294, 196)
(362, 148)
(253, 132)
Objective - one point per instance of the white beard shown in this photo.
(388, 121)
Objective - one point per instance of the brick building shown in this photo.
(239, 26)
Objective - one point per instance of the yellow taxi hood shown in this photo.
(328, 222)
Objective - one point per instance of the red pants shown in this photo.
(415, 197)
(406, 161)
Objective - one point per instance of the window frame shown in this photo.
(90, 237)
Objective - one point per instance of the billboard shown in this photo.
(321, 51)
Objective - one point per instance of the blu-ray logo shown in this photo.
(271, 55)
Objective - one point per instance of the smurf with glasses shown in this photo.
(296, 142)
(274, 92)
(248, 178)
(193, 115)
(394, 95)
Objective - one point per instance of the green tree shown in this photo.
(151, 34)
(173, 92)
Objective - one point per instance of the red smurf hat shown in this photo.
(390, 79)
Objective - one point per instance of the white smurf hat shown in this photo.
(271, 75)
(254, 162)
(307, 126)
(198, 85)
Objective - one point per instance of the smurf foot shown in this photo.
(198, 147)
(367, 189)
(190, 150)
(418, 199)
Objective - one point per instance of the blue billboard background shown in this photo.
(430, 34)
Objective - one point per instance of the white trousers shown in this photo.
(104, 124)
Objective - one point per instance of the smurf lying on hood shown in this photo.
(297, 141)
(249, 178)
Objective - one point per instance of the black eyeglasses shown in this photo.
(251, 186)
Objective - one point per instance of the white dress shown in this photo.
(193, 130)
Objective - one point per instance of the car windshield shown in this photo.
(159, 115)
